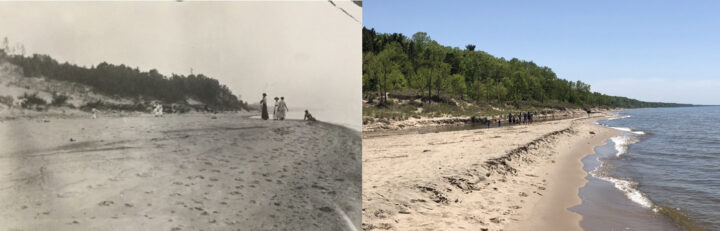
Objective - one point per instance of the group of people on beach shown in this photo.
(520, 118)
(279, 109)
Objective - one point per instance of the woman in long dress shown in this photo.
(282, 108)
(264, 114)
(275, 109)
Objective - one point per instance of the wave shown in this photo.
(622, 143)
(619, 117)
(629, 130)
(630, 189)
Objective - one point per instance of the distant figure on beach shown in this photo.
(275, 109)
(530, 117)
(158, 111)
(308, 116)
(282, 108)
(510, 118)
(264, 111)
(94, 113)
(499, 122)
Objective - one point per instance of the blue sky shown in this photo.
(649, 50)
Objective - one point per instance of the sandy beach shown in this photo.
(179, 172)
(510, 178)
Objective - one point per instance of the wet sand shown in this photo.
(511, 178)
(192, 172)
(565, 178)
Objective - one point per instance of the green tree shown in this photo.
(386, 70)
(456, 85)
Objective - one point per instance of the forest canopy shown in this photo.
(127, 82)
(393, 62)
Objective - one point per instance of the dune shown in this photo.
(179, 172)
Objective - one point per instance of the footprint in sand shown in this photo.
(106, 203)
(235, 193)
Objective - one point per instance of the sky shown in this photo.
(666, 51)
(308, 52)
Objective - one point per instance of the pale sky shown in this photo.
(309, 52)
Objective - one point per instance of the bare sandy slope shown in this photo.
(178, 173)
(488, 179)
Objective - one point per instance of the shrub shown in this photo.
(59, 100)
(7, 100)
(32, 101)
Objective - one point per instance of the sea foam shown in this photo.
(629, 188)
(629, 130)
(622, 143)
(619, 117)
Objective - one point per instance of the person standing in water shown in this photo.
(275, 109)
(264, 111)
(282, 108)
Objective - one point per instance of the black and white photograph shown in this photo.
(180, 115)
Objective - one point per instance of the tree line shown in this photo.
(127, 82)
(394, 62)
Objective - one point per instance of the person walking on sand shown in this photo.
(94, 113)
(275, 109)
(264, 111)
(282, 108)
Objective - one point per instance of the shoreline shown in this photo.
(609, 196)
(492, 179)
(604, 201)
(564, 183)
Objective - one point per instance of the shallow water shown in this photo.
(605, 207)
(667, 162)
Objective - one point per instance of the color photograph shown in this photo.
(541, 115)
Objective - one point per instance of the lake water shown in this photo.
(662, 173)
